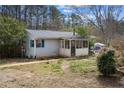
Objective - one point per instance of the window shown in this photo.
(79, 44)
(67, 44)
(85, 44)
(40, 43)
(31, 43)
(62, 43)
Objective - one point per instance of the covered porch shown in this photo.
(74, 47)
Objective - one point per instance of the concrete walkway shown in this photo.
(26, 63)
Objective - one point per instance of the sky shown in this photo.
(67, 10)
(64, 9)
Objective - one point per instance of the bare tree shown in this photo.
(104, 18)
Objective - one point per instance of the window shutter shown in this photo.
(43, 43)
(31, 43)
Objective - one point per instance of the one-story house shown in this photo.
(44, 43)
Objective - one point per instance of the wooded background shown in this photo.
(106, 22)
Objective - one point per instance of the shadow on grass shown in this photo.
(110, 81)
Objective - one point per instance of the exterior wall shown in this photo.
(61, 51)
(65, 52)
(31, 53)
(78, 52)
(29, 50)
(27, 46)
(51, 48)
(85, 51)
(68, 52)
(82, 52)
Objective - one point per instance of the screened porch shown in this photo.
(74, 47)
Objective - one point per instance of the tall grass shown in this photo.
(56, 68)
(82, 66)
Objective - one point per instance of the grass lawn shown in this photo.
(74, 66)
(63, 73)
(83, 66)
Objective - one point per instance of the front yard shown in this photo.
(61, 73)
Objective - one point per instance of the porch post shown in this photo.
(75, 44)
(60, 43)
(70, 47)
(70, 43)
(34, 48)
(88, 46)
(64, 42)
(75, 47)
(83, 43)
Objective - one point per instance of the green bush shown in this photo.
(106, 63)
(82, 31)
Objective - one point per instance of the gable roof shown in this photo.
(47, 34)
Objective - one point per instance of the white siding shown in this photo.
(82, 52)
(65, 52)
(51, 48)
(61, 51)
(68, 52)
(29, 50)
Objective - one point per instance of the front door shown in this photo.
(73, 48)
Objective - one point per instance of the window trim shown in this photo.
(67, 44)
(31, 42)
(85, 44)
(40, 43)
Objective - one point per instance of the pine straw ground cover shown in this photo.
(63, 73)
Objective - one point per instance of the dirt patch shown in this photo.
(65, 67)
(16, 78)
(41, 76)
